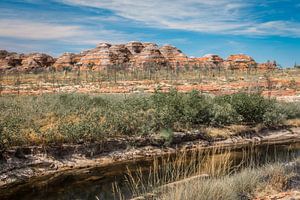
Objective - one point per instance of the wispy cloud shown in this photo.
(207, 16)
(54, 38)
(37, 30)
(283, 28)
(32, 30)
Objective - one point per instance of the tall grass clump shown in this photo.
(211, 174)
(72, 118)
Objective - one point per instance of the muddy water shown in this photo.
(96, 183)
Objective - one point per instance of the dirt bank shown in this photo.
(23, 168)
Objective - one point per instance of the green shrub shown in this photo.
(224, 115)
(167, 135)
(74, 117)
(274, 117)
(291, 110)
(197, 108)
(251, 107)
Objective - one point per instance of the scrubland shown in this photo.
(75, 118)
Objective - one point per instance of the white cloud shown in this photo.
(284, 28)
(77, 35)
(36, 30)
(207, 16)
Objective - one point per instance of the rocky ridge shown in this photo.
(125, 56)
(34, 62)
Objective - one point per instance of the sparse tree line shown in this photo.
(78, 75)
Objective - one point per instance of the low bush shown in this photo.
(251, 107)
(75, 117)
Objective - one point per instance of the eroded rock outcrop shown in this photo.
(37, 62)
(126, 56)
(240, 62)
(150, 56)
(97, 58)
(173, 56)
(270, 65)
(210, 61)
(106, 55)
(135, 47)
(68, 61)
(120, 55)
(9, 60)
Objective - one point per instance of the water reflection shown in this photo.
(96, 183)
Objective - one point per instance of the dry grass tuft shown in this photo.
(293, 122)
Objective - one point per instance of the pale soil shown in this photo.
(284, 86)
(41, 166)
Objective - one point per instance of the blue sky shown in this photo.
(264, 29)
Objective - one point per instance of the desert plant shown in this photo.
(90, 117)
(251, 107)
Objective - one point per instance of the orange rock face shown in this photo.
(174, 56)
(120, 55)
(135, 47)
(211, 61)
(27, 63)
(212, 58)
(267, 66)
(65, 60)
(148, 57)
(9, 60)
(240, 62)
(37, 62)
(97, 58)
(106, 55)
(126, 56)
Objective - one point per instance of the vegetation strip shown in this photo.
(75, 118)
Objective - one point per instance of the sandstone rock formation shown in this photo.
(9, 60)
(67, 61)
(211, 61)
(150, 56)
(135, 47)
(270, 65)
(126, 56)
(106, 55)
(240, 62)
(120, 55)
(97, 58)
(37, 62)
(212, 58)
(174, 56)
